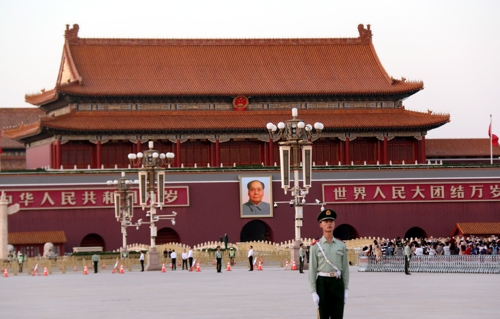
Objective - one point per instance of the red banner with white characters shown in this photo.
(71, 198)
(341, 193)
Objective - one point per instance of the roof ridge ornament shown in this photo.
(71, 35)
(365, 34)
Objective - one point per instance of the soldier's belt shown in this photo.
(328, 274)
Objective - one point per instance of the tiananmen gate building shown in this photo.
(208, 101)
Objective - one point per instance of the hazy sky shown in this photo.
(451, 45)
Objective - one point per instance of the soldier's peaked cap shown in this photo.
(327, 214)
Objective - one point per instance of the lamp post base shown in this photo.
(153, 260)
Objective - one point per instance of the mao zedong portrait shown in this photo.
(255, 205)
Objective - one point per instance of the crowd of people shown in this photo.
(434, 246)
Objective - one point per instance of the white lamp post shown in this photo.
(124, 206)
(297, 137)
(152, 188)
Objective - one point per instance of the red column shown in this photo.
(53, 155)
(347, 158)
(98, 154)
(178, 153)
(217, 153)
(423, 156)
(138, 146)
(58, 154)
(341, 153)
(271, 152)
(384, 155)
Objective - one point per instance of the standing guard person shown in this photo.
(231, 256)
(218, 256)
(329, 270)
(301, 259)
(95, 260)
(407, 257)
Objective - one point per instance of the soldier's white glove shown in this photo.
(346, 294)
(315, 299)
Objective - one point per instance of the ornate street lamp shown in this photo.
(124, 206)
(298, 137)
(152, 194)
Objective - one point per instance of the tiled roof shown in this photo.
(13, 117)
(192, 121)
(37, 237)
(478, 228)
(181, 67)
(459, 147)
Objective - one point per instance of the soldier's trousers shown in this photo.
(331, 297)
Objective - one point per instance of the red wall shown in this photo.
(39, 156)
(215, 210)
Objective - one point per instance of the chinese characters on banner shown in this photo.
(411, 192)
(39, 199)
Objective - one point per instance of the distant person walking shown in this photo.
(173, 257)
(250, 258)
(184, 257)
(141, 259)
(190, 257)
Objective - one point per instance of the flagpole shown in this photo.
(491, 140)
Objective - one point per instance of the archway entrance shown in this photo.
(345, 232)
(256, 230)
(415, 232)
(167, 235)
(93, 240)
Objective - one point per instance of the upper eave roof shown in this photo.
(224, 67)
(192, 121)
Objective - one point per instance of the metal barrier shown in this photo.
(473, 264)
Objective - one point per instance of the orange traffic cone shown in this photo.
(6, 273)
(228, 266)
(163, 269)
(294, 266)
(198, 269)
(103, 266)
(213, 262)
(85, 270)
(45, 272)
(121, 269)
(286, 266)
(260, 265)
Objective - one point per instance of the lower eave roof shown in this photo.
(185, 121)
(478, 228)
(37, 237)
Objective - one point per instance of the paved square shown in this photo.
(271, 293)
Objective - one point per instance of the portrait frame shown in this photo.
(246, 209)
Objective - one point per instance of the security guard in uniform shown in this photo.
(329, 270)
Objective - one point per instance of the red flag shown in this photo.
(494, 138)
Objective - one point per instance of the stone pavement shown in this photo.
(271, 293)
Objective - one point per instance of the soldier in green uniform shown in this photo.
(301, 258)
(329, 270)
(407, 253)
(231, 256)
(218, 256)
